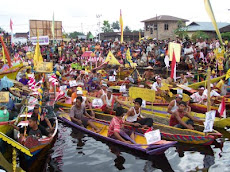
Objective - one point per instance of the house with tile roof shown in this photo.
(162, 27)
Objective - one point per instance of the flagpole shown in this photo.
(209, 89)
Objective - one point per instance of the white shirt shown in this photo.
(187, 51)
(155, 86)
(196, 97)
(212, 93)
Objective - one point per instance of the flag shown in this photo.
(173, 67)
(12, 35)
(6, 52)
(222, 109)
(3, 56)
(121, 25)
(209, 10)
(37, 54)
(128, 57)
(52, 27)
(227, 74)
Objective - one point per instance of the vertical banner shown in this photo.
(209, 10)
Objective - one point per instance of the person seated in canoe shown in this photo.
(213, 93)
(183, 80)
(44, 121)
(176, 118)
(103, 90)
(173, 105)
(116, 131)
(32, 130)
(198, 97)
(93, 85)
(148, 74)
(86, 103)
(79, 115)
(157, 86)
(134, 115)
(108, 102)
(23, 80)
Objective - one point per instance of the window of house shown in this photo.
(151, 30)
(166, 26)
(147, 27)
(155, 26)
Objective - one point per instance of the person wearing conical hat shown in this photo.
(148, 74)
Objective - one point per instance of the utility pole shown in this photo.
(157, 27)
(99, 26)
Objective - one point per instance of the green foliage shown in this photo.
(199, 34)
(116, 25)
(106, 26)
(226, 35)
(127, 29)
(1, 30)
(89, 35)
(75, 34)
(182, 30)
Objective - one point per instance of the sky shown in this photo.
(81, 15)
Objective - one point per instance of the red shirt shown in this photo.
(173, 121)
(115, 126)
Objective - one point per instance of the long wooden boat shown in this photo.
(35, 145)
(204, 83)
(140, 144)
(12, 72)
(160, 109)
(175, 134)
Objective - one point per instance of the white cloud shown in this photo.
(81, 15)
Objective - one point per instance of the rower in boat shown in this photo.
(157, 85)
(116, 127)
(103, 90)
(199, 97)
(183, 80)
(108, 101)
(173, 105)
(78, 115)
(148, 74)
(32, 130)
(176, 118)
(213, 93)
(86, 102)
(134, 115)
(44, 121)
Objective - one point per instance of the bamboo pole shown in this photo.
(209, 89)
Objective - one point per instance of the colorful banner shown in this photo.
(43, 40)
(209, 10)
(4, 97)
(177, 50)
(122, 26)
(44, 67)
(144, 93)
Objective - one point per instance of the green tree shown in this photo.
(89, 35)
(127, 29)
(226, 35)
(116, 25)
(106, 26)
(182, 30)
(75, 34)
(199, 34)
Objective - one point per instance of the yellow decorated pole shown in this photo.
(209, 89)
(14, 156)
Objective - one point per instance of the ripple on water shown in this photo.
(75, 151)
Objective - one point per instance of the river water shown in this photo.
(75, 151)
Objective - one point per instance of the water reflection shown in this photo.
(153, 162)
(207, 151)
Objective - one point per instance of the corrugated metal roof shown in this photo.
(165, 18)
(205, 26)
